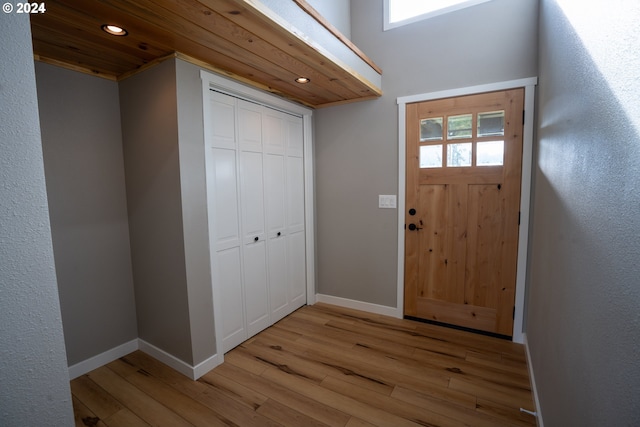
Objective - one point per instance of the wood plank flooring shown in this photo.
(323, 366)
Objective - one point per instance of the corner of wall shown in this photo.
(191, 371)
(195, 223)
(149, 115)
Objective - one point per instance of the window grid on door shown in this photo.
(474, 139)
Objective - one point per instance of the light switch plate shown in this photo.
(387, 201)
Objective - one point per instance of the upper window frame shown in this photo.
(390, 25)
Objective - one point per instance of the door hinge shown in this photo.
(519, 215)
(513, 315)
(523, 116)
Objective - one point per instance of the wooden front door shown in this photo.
(464, 160)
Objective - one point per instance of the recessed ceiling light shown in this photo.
(303, 80)
(114, 30)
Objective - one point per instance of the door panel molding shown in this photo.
(529, 85)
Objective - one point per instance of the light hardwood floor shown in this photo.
(323, 365)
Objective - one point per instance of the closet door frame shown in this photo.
(234, 88)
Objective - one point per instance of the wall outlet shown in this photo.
(387, 201)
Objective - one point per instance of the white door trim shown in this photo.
(529, 85)
(232, 87)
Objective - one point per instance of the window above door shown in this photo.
(402, 12)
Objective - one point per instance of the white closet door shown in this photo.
(295, 139)
(229, 277)
(274, 175)
(274, 131)
(276, 235)
(296, 270)
(227, 226)
(222, 123)
(227, 240)
(228, 246)
(255, 281)
(256, 176)
(250, 126)
(252, 195)
(295, 194)
(253, 229)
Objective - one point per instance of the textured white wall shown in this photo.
(583, 323)
(34, 382)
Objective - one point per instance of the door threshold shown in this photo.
(460, 328)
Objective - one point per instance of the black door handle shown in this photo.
(413, 227)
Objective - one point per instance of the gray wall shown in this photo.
(161, 110)
(338, 12)
(84, 167)
(34, 382)
(357, 144)
(583, 323)
(194, 210)
(148, 108)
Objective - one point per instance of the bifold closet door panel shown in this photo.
(275, 192)
(278, 278)
(295, 194)
(254, 247)
(222, 123)
(296, 262)
(295, 138)
(252, 196)
(274, 176)
(225, 202)
(255, 281)
(274, 131)
(227, 246)
(229, 276)
(296, 270)
(249, 126)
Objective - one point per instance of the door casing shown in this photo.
(529, 85)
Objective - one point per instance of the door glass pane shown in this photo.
(431, 156)
(431, 129)
(459, 126)
(491, 124)
(459, 154)
(490, 153)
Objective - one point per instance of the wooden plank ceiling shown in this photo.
(240, 38)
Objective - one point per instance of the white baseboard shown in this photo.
(205, 366)
(533, 381)
(102, 359)
(358, 305)
(193, 372)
